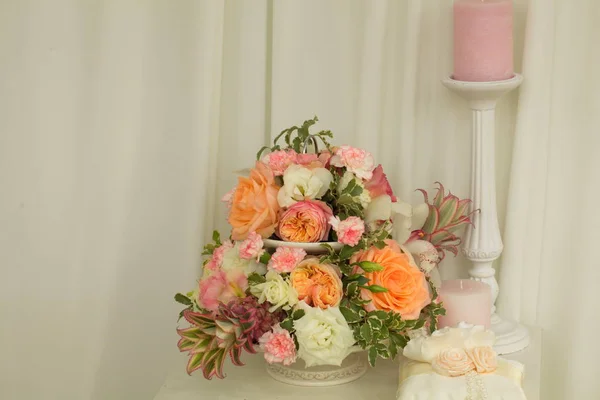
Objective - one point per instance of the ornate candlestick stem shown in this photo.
(483, 242)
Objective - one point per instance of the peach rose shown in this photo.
(319, 285)
(453, 362)
(306, 221)
(408, 291)
(254, 206)
(484, 359)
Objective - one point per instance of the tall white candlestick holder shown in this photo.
(483, 243)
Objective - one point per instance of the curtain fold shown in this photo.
(122, 123)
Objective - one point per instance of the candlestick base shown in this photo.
(483, 95)
(510, 336)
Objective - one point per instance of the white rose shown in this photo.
(233, 261)
(324, 336)
(301, 183)
(364, 198)
(276, 291)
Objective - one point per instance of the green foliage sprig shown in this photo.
(297, 142)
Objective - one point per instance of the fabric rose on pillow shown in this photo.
(254, 206)
(407, 289)
(306, 221)
(317, 284)
(484, 359)
(453, 362)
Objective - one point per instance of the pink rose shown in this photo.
(252, 247)
(221, 288)
(305, 221)
(484, 359)
(453, 362)
(379, 184)
(349, 231)
(278, 346)
(279, 160)
(285, 259)
(357, 161)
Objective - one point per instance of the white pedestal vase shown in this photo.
(354, 365)
(483, 243)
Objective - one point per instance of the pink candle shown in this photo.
(483, 40)
(467, 301)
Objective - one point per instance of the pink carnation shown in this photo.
(228, 197)
(252, 247)
(358, 161)
(278, 346)
(221, 288)
(379, 185)
(219, 252)
(349, 231)
(278, 161)
(285, 259)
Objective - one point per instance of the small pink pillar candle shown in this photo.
(483, 40)
(467, 301)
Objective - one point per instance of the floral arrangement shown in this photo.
(360, 290)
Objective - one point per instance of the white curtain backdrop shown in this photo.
(121, 122)
(550, 264)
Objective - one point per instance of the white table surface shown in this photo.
(251, 382)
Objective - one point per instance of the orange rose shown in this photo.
(408, 291)
(319, 285)
(254, 205)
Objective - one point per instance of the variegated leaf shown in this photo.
(431, 222)
(447, 211)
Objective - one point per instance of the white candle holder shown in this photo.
(483, 243)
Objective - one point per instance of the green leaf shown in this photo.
(180, 298)
(372, 356)
(419, 324)
(348, 251)
(299, 313)
(366, 332)
(265, 258)
(328, 247)
(345, 199)
(255, 279)
(380, 244)
(380, 314)
(262, 149)
(349, 314)
(352, 289)
(369, 266)
(348, 189)
(287, 324)
(363, 280)
(356, 191)
(392, 349)
(375, 323)
(398, 339)
(384, 332)
(375, 288)
(216, 237)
